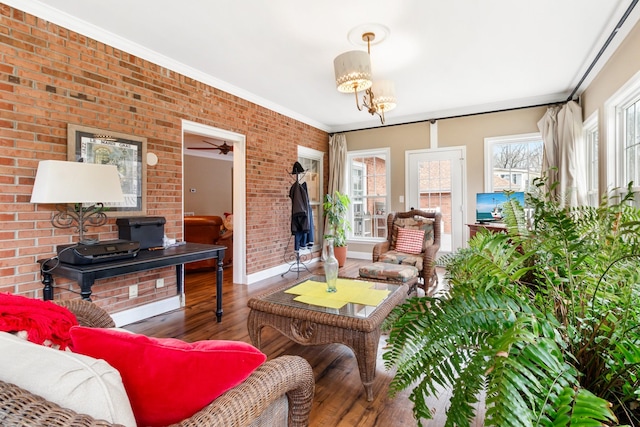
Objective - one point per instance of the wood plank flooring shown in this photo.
(339, 396)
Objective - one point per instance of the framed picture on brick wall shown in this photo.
(127, 152)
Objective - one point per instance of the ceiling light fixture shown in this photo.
(353, 74)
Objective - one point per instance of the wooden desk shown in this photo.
(87, 274)
(492, 227)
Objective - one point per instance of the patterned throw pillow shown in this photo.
(416, 224)
(410, 241)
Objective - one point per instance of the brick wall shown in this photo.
(50, 77)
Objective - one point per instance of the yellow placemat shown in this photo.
(364, 296)
(314, 286)
(305, 287)
(321, 302)
(348, 291)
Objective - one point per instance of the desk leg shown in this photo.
(47, 291)
(180, 278)
(219, 286)
(85, 292)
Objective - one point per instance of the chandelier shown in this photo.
(353, 74)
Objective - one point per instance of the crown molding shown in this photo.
(77, 25)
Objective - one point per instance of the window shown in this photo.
(630, 145)
(312, 163)
(368, 183)
(591, 149)
(512, 162)
(622, 112)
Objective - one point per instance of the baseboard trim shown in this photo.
(274, 271)
(126, 317)
(359, 255)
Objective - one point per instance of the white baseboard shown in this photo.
(274, 271)
(359, 255)
(126, 317)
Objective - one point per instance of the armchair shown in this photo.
(207, 229)
(281, 388)
(417, 219)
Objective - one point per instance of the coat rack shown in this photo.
(299, 201)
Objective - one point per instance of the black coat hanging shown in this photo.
(301, 213)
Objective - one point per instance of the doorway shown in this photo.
(435, 180)
(238, 142)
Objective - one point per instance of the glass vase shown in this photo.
(330, 267)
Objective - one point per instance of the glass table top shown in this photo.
(349, 309)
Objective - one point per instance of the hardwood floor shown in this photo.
(339, 395)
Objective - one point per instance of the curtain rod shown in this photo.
(433, 120)
(604, 47)
(571, 96)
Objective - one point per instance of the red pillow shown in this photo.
(166, 379)
(410, 241)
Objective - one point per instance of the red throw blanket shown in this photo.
(44, 322)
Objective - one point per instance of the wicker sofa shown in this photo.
(279, 389)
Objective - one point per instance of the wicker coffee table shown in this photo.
(354, 325)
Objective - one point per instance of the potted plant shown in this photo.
(336, 209)
(544, 321)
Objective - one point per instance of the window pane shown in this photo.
(591, 141)
(312, 176)
(516, 164)
(368, 192)
(435, 189)
(632, 139)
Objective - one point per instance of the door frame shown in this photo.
(457, 228)
(239, 191)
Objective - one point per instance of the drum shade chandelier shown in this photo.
(353, 74)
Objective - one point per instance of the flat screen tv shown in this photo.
(489, 205)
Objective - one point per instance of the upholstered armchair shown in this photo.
(419, 243)
(208, 229)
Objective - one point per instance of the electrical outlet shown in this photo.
(133, 291)
(159, 283)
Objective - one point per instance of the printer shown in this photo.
(107, 250)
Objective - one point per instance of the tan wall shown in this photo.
(467, 131)
(400, 139)
(211, 178)
(623, 64)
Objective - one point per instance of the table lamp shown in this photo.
(78, 190)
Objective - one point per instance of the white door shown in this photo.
(435, 180)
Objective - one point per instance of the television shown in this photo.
(489, 205)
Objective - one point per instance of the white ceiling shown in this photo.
(446, 58)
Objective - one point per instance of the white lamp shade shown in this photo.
(384, 93)
(76, 182)
(353, 71)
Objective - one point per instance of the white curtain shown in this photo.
(564, 159)
(337, 171)
(337, 162)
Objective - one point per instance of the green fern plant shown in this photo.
(542, 321)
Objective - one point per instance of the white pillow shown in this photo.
(74, 381)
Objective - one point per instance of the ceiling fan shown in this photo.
(224, 147)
